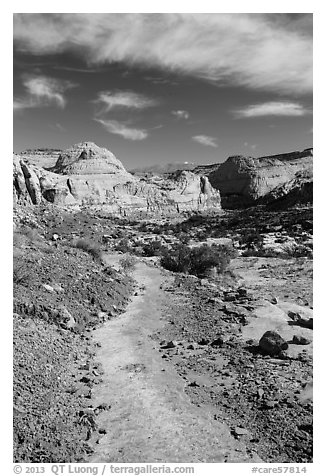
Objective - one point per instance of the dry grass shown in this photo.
(128, 263)
(90, 247)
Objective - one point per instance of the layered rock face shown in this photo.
(86, 158)
(243, 181)
(89, 175)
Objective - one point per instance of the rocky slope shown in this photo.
(60, 293)
(243, 181)
(86, 174)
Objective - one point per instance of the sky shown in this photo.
(162, 88)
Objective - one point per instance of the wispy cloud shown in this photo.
(181, 114)
(57, 126)
(205, 140)
(43, 91)
(258, 51)
(121, 129)
(124, 99)
(273, 108)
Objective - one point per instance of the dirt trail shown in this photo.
(152, 418)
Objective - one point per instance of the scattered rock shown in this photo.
(270, 404)
(301, 319)
(65, 319)
(272, 343)
(300, 340)
(48, 288)
(203, 341)
(193, 384)
(238, 431)
(218, 342)
(169, 345)
(102, 315)
(57, 288)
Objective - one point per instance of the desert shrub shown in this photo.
(123, 246)
(298, 251)
(90, 247)
(184, 238)
(128, 263)
(181, 258)
(214, 256)
(250, 237)
(154, 248)
(177, 258)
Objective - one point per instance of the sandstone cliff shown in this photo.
(89, 175)
(42, 157)
(243, 181)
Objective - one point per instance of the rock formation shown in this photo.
(86, 158)
(243, 181)
(42, 157)
(86, 174)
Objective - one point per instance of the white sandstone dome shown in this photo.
(86, 158)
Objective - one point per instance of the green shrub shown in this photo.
(251, 237)
(182, 258)
(206, 256)
(90, 247)
(177, 258)
(154, 248)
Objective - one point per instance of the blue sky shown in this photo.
(156, 88)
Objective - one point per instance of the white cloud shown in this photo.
(124, 99)
(43, 91)
(205, 140)
(273, 108)
(181, 114)
(21, 104)
(119, 128)
(258, 51)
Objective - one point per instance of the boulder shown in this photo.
(272, 343)
(303, 319)
(300, 340)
